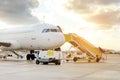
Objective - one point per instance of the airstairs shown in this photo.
(83, 45)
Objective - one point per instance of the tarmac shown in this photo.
(28, 70)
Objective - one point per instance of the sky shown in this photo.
(95, 20)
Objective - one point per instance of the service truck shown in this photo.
(48, 56)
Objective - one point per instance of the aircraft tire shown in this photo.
(28, 57)
(32, 56)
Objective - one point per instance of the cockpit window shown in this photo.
(54, 30)
(50, 30)
(45, 30)
(59, 28)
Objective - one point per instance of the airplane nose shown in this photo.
(52, 40)
(57, 40)
(60, 40)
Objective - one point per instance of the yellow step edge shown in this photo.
(67, 37)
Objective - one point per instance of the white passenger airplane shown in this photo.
(36, 37)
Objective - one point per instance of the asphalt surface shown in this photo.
(28, 70)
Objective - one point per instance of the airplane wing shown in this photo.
(5, 44)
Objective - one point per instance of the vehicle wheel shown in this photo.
(37, 61)
(28, 57)
(67, 60)
(57, 62)
(75, 59)
(97, 59)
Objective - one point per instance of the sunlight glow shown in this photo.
(54, 12)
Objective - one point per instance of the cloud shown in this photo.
(105, 19)
(82, 6)
(105, 2)
(18, 11)
(104, 13)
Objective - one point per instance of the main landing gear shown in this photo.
(31, 56)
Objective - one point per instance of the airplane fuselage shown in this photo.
(31, 38)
